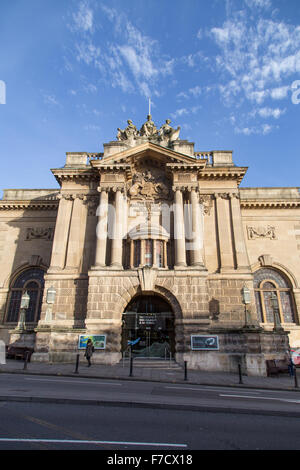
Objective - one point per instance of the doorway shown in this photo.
(148, 327)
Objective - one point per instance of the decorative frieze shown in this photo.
(261, 232)
(39, 233)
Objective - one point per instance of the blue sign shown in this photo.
(131, 343)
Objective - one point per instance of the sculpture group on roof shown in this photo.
(163, 136)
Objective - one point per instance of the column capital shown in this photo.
(115, 189)
(193, 189)
(221, 195)
(66, 196)
(234, 196)
(101, 189)
(180, 188)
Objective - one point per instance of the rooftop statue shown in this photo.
(167, 133)
(148, 129)
(163, 136)
(129, 133)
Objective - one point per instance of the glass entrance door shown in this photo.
(149, 329)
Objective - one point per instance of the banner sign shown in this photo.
(204, 342)
(147, 319)
(99, 341)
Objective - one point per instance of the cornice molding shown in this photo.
(71, 174)
(223, 173)
(265, 204)
(29, 205)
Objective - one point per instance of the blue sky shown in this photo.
(75, 71)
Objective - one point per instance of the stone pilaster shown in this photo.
(196, 230)
(179, 231)
(224, 232)
(77, 232)
(101, 231)
(241, 255)
(117, 241)
(61, 235)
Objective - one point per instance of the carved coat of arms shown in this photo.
(146, 185)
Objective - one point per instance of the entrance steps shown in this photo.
(151, 363)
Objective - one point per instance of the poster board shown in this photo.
(204, 342)
(99, 341)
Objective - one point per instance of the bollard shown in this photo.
(26, 360)
(77, 364)
(131, 366)
(185, 370)
(240, 374)
(295, 377)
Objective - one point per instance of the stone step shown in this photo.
(152, 363)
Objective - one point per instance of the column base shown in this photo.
(180, 266)
(98, 267)
(116, 266)
(198, 266)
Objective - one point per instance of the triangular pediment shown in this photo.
(148, 150)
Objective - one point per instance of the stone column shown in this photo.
(117, 241)
(142, 255)
(196, 229)
(101, 231)
(224, 232)
(179, 232)
(131, 256)
(154, 254)
(242, 260)
(61, 235)
(165, 258)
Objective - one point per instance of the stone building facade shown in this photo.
(154, 243)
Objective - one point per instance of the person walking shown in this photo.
(89, 351)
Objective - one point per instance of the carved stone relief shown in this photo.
(149, 184)
(207, 202)
(261, 232)
(40, 233)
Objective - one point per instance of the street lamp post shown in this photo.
(275, 309)
(24, 306)
(246, 301)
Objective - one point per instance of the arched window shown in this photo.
(147, 245)
(268, 282)
(32, 281)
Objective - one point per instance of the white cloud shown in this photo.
(193, 92)
(279, 93)
(269, 112)
(179, 112)
(196, 91)
(132, 62)
(87, 52)
(263, 129)
(184, 111)
(92, 127)
(259, 3)
(200, 34)
(258, 57)
(51, 100)
(83, 18)
(90, 88)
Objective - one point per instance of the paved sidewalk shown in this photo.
(171, 373)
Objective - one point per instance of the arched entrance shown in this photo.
(148, 323)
